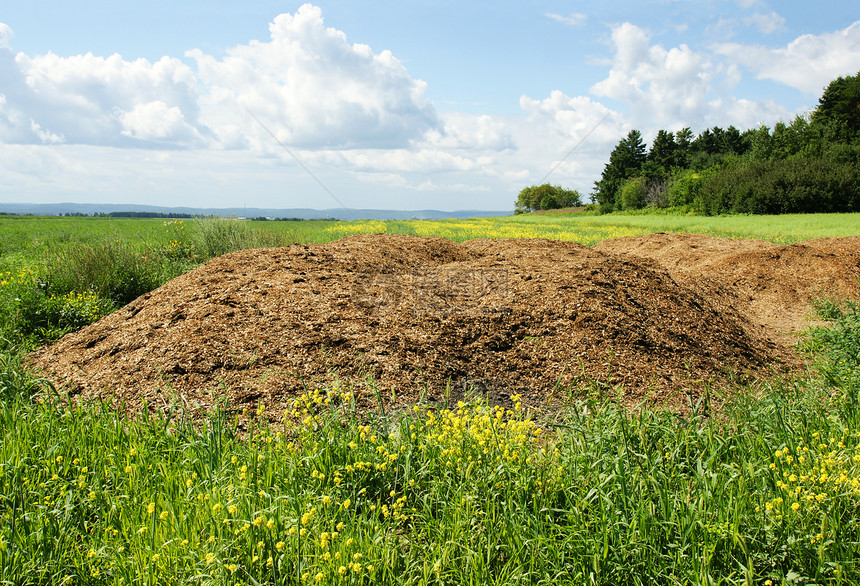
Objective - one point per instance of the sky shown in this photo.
(389, 104)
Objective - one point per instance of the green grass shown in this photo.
(838, 347)
(767, 489)
(782, 229)
(27, 237)
(34, 235)
(473, 494)
(591, 228)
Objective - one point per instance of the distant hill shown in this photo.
(56, 209)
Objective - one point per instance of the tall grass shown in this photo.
(112, 269)
(218, 236)
(838, 347)
(768, 489)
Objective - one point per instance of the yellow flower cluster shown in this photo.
(178, 245)
(814, 479)
(86, 305)
(478, 434)
(467, 441)
(12, 279)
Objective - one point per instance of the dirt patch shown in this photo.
(427, 317)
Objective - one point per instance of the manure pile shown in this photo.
(770, 284)
(651, 315)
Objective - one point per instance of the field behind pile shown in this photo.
(31, 236)
(755, 484)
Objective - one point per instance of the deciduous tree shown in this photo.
(546, 197)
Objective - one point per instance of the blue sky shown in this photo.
(390, 104)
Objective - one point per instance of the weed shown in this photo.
(114, 270)
(217, 236)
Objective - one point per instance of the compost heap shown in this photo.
(401, 319)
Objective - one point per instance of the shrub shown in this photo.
(797, 185)
(17, 289)
(49, 317)
(633, 193)
(30, 315)
(684, 187)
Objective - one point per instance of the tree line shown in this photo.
(809, 165)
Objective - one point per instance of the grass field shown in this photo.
(766, 492)
(589, 229)
(34, 236)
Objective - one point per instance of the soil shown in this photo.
(401, 319)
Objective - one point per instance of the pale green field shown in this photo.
(35, 235)
(590, 229)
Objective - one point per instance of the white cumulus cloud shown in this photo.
(671, 88)
(480, 132)
(572, 118)
(564, 139)
(307, 84)
(662, 85)
(808, 63)
(86, 99)
(312, 88)
(46, 137)
(156, 121)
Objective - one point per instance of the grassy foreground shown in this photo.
(765, 492)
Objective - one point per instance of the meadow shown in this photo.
(36, 236)
(764, 490)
